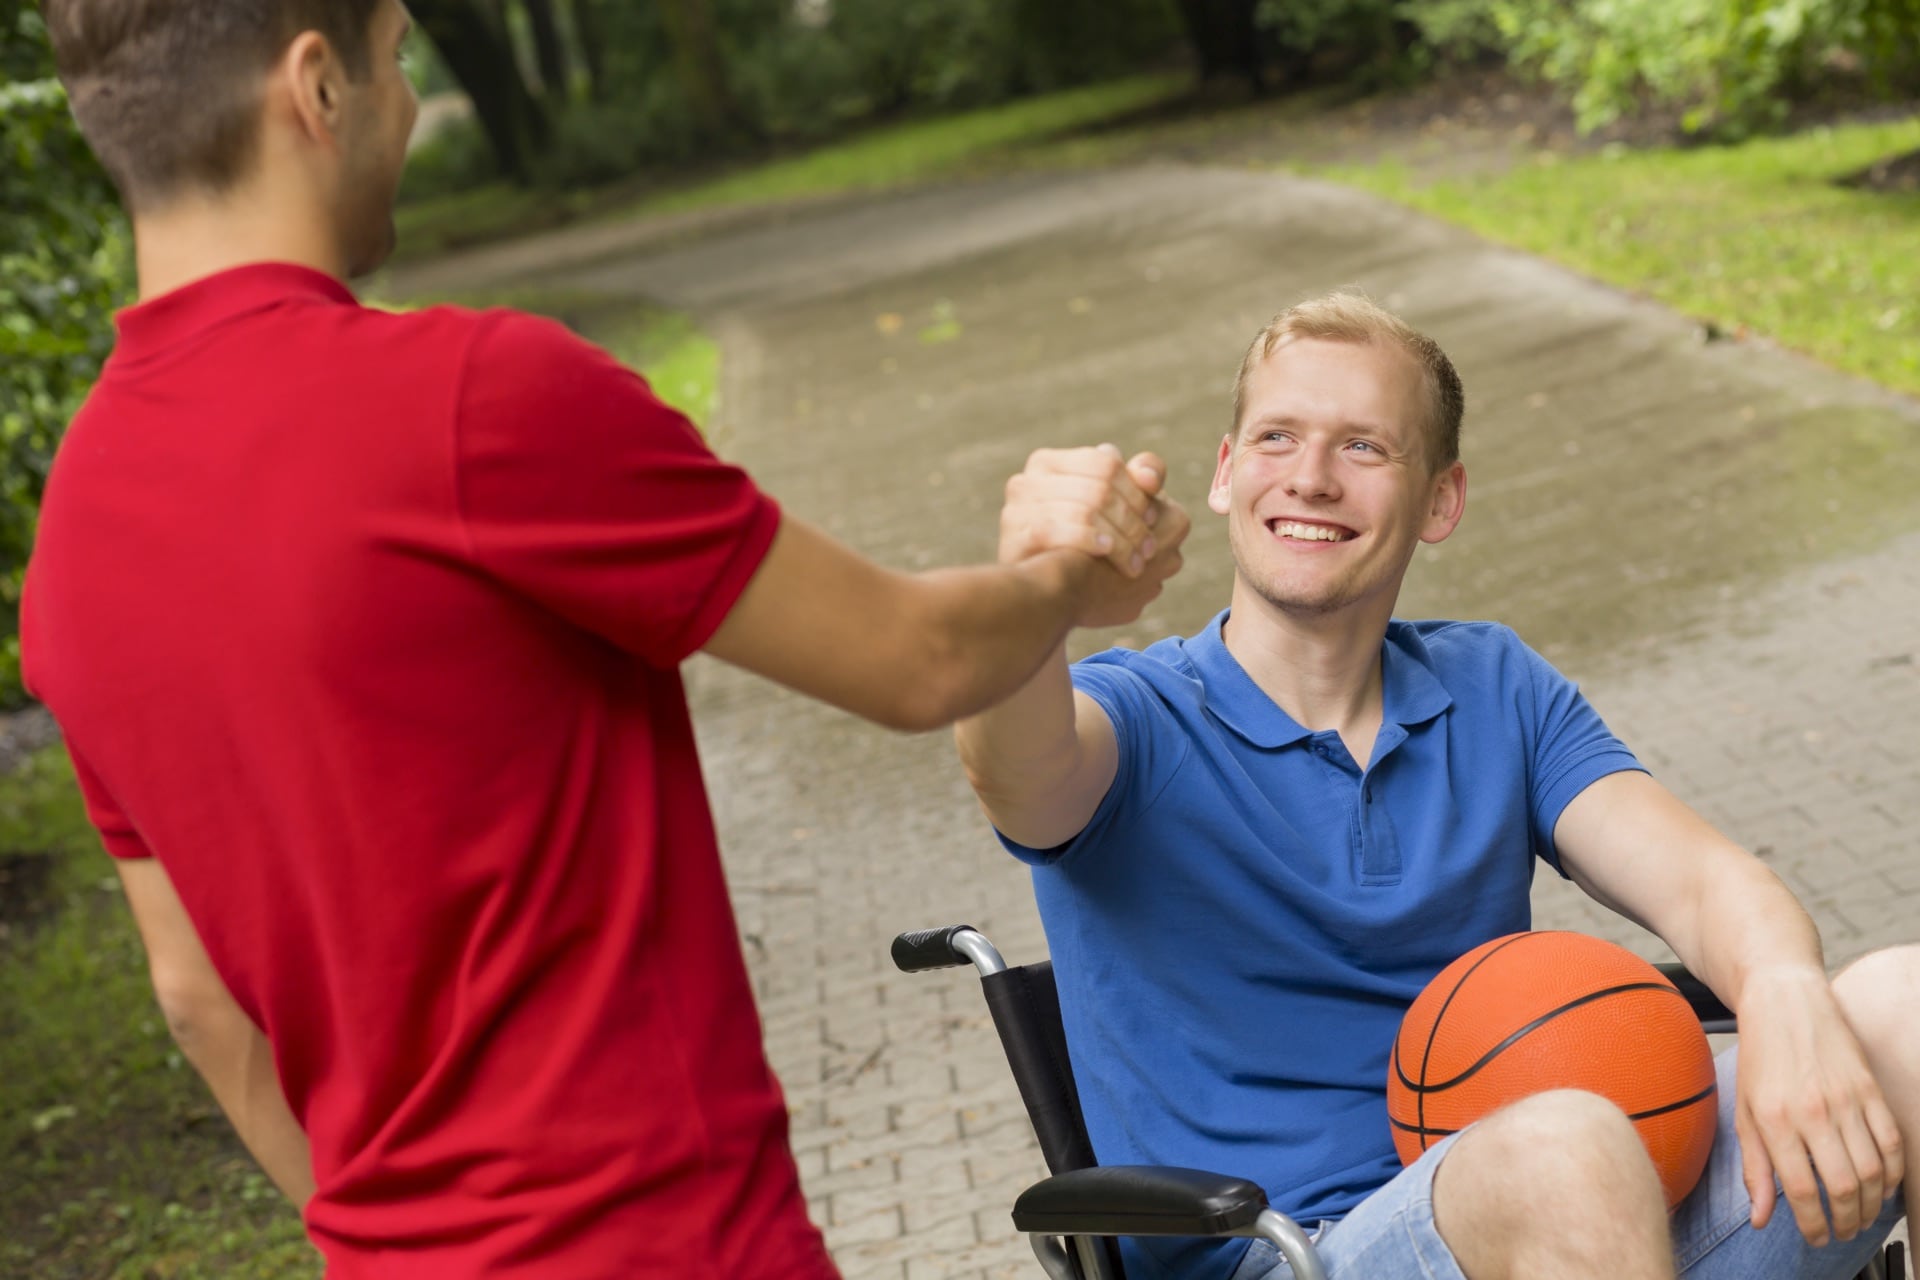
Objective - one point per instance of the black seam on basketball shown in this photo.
(1625, 987)
(1420, 1090)
(1636, 1117)
(1681, 1105)
(1424, 1133)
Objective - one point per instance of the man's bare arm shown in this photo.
(214, 1033)
(1808, 1104)
(910, 651)
(1043, 759)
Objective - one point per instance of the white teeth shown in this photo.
(1307, 532)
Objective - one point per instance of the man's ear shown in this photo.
(1219, 498)
(1448, 503)
(315, 85)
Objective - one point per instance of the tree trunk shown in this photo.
(1225, 39)
(478, 53)
(696, 60)
(549, 51)
(586, 35)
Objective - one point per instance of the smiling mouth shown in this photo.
(1300, 531)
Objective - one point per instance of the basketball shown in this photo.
(1535, 1011)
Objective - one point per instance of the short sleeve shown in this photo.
(116, 830)
(578, 488)
(1572, 748)
(1147, 755)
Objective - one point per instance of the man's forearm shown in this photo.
(1042, 759)
(1750, 924)
(1020, 743)
(236, 1061)
(1639, 849)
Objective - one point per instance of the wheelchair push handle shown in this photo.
(918, 950)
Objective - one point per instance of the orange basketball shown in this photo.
(1536, 1011)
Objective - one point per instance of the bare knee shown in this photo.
(1573, 1149)
(1558, 1184)
(1562, 1143)
(1879, 993)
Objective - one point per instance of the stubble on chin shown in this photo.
(1321, 598)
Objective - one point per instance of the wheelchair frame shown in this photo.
(1072, 1216)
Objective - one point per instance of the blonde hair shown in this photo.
(1350, 316)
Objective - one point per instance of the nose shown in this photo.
(1312, 476)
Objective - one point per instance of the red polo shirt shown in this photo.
(367, 626)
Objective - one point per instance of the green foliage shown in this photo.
(1361, 41)
(1727, 67)
(425, 68)
(800, 74)
(922, 150)
(455, 158)
(1024, 132)
(65, 257)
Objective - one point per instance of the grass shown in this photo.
(879, 159)
(680, 361)
(115, 1159)
(904, 154)
(1756, 237)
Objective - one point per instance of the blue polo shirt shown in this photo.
(1240, 927)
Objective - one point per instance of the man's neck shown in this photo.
(1323, 669)
(194, 237)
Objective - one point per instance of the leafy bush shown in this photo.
(455, 158)
(1364, 41)
(65, 258)
(1727, 66)
(803, 73)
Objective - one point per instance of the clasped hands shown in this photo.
(1107, 506)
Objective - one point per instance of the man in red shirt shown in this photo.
(364, 629)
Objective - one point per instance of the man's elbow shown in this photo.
(197, 1017)
(929, 679)
(926, 700)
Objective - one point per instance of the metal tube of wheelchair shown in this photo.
(1053, 1257)
(975, 947)
(1293, 1243)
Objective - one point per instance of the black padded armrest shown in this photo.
(1138, 1200)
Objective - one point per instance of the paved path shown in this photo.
(1717, 539)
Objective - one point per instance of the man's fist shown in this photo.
(1095, 501)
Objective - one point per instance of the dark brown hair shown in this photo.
(1349, 316)
(167, 91)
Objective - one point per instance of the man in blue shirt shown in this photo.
(1253, 847)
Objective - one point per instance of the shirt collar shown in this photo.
(1412, 694)
(150, 327)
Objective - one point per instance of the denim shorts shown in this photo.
(1391, 1236)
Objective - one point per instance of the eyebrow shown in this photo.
(1288, 420)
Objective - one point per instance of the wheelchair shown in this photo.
(1073, 1216)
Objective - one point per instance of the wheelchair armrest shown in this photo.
(1714, 1016)
(1139, 1200)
